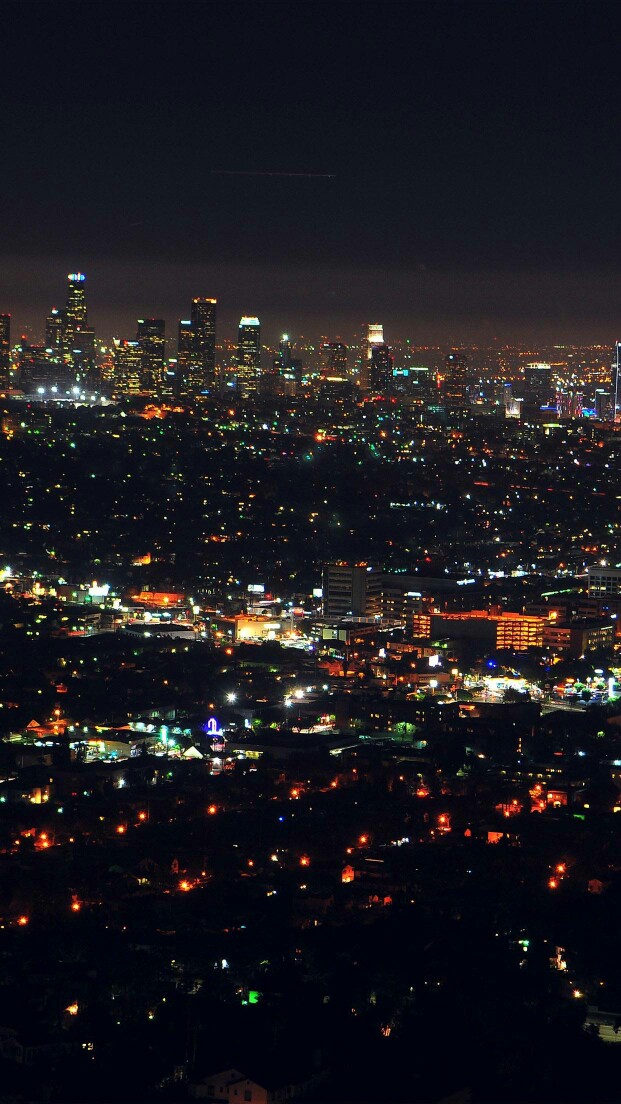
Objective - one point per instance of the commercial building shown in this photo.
(127, 366)
(202, 369)
(5, 350)
(382, 367)
(374, 335)
(334, 359)
(604, 582)
(248, 355)
(615, 383)
(516, 632)
(455, 381)
(151, 338)
(351, 590)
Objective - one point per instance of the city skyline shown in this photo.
(463, 196)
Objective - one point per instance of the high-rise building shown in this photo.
(351, 590)
(184, 356)
(77, 341)
(334, 359)
(127, 367)
(382, 367)
(285, 352)
(374, 335)
(5, 350)
(54, 330)
(538, 383)
(455, 381)
(249, 355)
(603, 405)
(151, 338)
(615, 382)
(202, 367)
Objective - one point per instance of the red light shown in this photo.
(120, 829)
(212, 810)
(142, 816)
(305, 861)
(22, 921)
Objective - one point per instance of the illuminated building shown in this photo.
(334, 359)
(604, 582)
(382, 366)
(614, 382)
(287, 368)
(538, 383)
(74, 341)
(374, 336)
(127, 367)
(603, 404)
(249, 355)
(455, 381)
(350, 590)
(512, 631)
(54, 328)
(151, 338)
(202, 366)
(569, 404)
(5, 349)
(184, 354)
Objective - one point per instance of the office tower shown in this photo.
(285, 350)
(351, 590)
(334, 359)
(202, 364)
(455, 381)
(77, 341)
(184, 355)
(569, 404)
(382, 367)
(151, 338)
(615, 383)
(374, 336)
(603, 404)
(5, 350)
(127, 367)
(538, 383)
(248, 355)
(54, 329)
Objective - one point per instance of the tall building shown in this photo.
(127, 367)
(538, 383)
(455, 381)
(334, 355)
(285, 354)
(615, 382)
(77, 340)
(5, 350)
(184, 356)
(382, 367)
(75, 313)
(151, 338)
(54, 330)
(351, 590)
(202, 368)
(374, 335)
(249, 355)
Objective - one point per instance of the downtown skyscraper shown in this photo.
(5, 350)
(248, 355)
(196, 360)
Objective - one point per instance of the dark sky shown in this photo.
(476, 149)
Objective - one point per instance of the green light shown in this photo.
(253, 996)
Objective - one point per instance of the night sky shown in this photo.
(475, 147)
